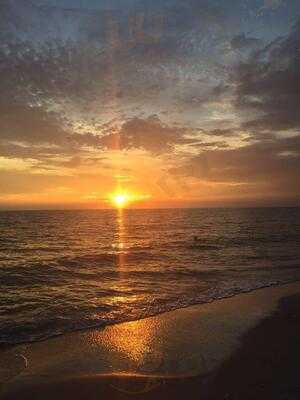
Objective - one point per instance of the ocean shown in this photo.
(63, 271)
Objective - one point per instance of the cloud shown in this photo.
(65, 59)
(273, 163)
(35, 133)
(272, 4)
(242, 41)
(65, 73)
(147, 134)
(33, 125)
(269, 84)
(228, 132)
(215, 144)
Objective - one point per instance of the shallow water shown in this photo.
(67, 270)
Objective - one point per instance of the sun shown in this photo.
(120, 200)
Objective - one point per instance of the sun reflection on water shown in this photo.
(131, 341)
(120, 240)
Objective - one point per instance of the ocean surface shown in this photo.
(67, 270)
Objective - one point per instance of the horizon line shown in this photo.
(149, 208)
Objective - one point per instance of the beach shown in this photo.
(244, 346)
(149, 200)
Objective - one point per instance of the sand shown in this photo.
(240, 347)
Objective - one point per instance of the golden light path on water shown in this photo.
(130, 342)
(120, 241)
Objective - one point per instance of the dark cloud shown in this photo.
(276, 163)
(148, 134)
(86, 59)
(272, 4)
(33, 133)
(269, 83)
(261, 137)
(65, 71)
(241, 41)
(200, 95)
(33, 125)
(29, 124)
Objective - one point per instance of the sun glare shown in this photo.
(120, 200)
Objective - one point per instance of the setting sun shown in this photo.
(120, 200)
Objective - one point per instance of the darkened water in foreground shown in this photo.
(67, 270)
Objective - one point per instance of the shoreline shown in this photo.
(178, 347)
(6, 346)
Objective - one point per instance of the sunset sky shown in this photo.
(180, 103)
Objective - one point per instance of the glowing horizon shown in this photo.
(122, 198)
(181, 103)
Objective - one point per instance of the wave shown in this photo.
(65, 271)
(11, 334)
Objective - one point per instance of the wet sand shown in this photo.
(244, 347)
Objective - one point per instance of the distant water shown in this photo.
(67, 270)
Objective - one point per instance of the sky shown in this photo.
(181, 103)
